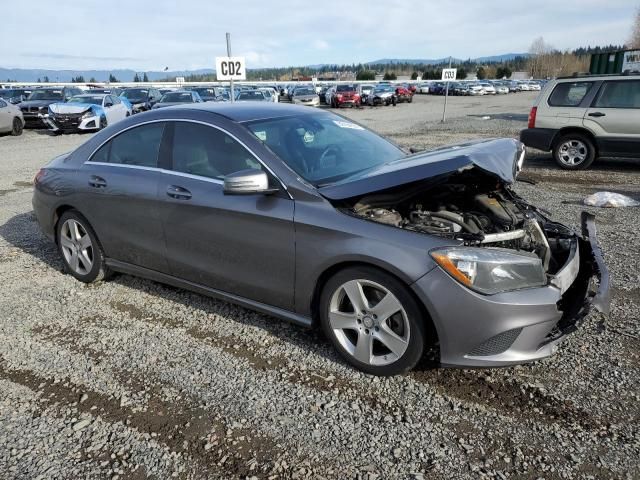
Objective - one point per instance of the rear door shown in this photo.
(566, 105)
(121, 196)
(240, 244)
(614, 117)
(6, 117)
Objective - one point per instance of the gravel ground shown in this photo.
(131, 379)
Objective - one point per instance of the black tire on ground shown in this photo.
(17, 127)
(414, 318)
(581, 144)
(103, 123)
(99, 271)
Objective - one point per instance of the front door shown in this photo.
(239, 244)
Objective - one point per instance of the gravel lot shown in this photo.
(130, 379)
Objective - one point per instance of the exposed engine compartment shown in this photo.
(474, 208)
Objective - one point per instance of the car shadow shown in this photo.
(538, 159)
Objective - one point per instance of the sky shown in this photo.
(189, 34)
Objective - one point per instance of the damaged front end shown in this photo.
(502, 249)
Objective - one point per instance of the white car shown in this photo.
(476, 89)
(422, 88)
(328, 95)
(534, 86)
(488, 88)
(86, 112)
(501, 88)
(271, 94)
(11, 119)
(524, 87)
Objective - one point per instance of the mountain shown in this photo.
(438, 61)
(32, 75)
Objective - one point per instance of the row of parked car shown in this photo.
(349, 94)
(489, 87)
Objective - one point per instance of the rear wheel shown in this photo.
(373, 321)
(17, 127)
(81, 252)
(574, 152)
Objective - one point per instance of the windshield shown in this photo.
(46, 95)
(322, 147)
(383, 88)
(304, 91)
(182, 97)
(250, 95)
(93, 99)
(205, 92)
(135, 93)
(345, 88)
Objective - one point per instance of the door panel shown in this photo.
(615, 112)
(240, 244)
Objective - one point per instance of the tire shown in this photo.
(410, 99)
(574, 151)
(83, 245)
(347, 327)
(103, 123)
(17, 127)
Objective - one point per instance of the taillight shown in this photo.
(532, 117)
(38, 176)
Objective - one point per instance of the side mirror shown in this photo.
(247, 182)
(108, 104)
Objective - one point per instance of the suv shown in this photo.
(580, 118)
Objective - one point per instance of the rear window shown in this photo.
(569, 94)
(619, 94)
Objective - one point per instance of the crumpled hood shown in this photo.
(70, 108)
(497, 157)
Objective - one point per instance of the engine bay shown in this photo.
(477, 210)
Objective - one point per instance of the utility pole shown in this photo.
(229, 55)
(446, 94)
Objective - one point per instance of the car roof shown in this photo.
(246, 111)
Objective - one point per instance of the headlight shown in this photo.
(491, 270)
(88, 114)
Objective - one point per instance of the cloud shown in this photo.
(64, 56)
(321, 44)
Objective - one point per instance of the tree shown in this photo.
(113, 79)
(481, 73)
(39, 81)
(390, 76)
(366, 75)
(78, 79)
(145, 78)
(136, 78)
(45, 79)
(461, 74)
(503, 72)
(92, 80)
(634, 41)
(414, 76)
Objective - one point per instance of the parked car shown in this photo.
(36, 106)
(15, 95)
(582, 118)
(346, 95)
(85, 112)
(270, 93)
(501, 88)
(208, 94)
(11, 119)
(476, 89)
(251, 96)
(487, 88)
(326, 223)
(142, 99)
(178, 97)
(364, 90)
(524, 86)
(403, 94)
(437, 88)
(328, 96)
(423, 88)
(382, 95)
(514, 86)
(306, 96)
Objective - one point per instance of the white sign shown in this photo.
(449, 74)
(179, 80)
(230, 68)
(631, 60)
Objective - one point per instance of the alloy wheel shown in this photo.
(369, 322)
(77, 247)
(572, 152)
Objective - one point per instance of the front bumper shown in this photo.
(520, 326)
(70, 123)
(33, 120)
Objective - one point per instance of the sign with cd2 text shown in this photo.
(231, 68)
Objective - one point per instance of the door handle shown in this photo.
(97, 182)
(596, 114)
(179, 193)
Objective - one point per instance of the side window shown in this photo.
(208, 152)
(569, 94)
(619, 94)
(138, 146)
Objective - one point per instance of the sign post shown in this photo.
(448, 74)
(230, 68)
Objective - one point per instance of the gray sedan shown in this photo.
(310, 217)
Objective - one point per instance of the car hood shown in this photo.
(305, 97)
(37, 103)
(67, 108)
(500, 158)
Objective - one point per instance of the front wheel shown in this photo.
(81, 252)
(103, 123)
(574, 152)
(373, 321)
(17, 127)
